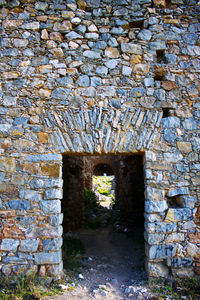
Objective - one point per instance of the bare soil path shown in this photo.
(113, 267)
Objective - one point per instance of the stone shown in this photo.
(48, 258)
(184, 147)
(111, 52)
(83, 80)
(29, 245)
(91, 54)
(131, 48)
(9, 245)
(31, 26)
(169, 85)
(20, 43)
(60, 93)
(112, 63)
(156, 206)
(50, 206)
(56, 36)
(135, 59)
(44, 34)
(92, 36)
(53, 194)
(157, 270)
(126, 71)
(161, 251)
(145, 35)
(178, 215)
(101, 70)
(178, 191)
(141, 69)
(19, 204)
(137, 92)
(52, 244)
(41, 5)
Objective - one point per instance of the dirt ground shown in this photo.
(113, 267)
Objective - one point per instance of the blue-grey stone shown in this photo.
(41, 60)
(28, 52)
(2, 176)
(116, 103)
(112, 63)
(100, 45)
(83, 80)
(65, 81)
(188, 201)
(26, 102)
(3, 110)
(97, 12)
(81, 28)
(179, 191)
(183, 64)
(73, 35)
(155, 206)
(91, 54)
(105, 37)
(194, 27)
(52, 244)
(158, 45)
(112, 42)
(50, 206)
(160, 94)
(19, 204)
(45, 183)
(43, 157)
(14, 62)
(48, 258)
(180, 262)
(5, 128)
(60, 93)
(4, 42)
(190, 124)
(161, 227)
(182, 168)
(29, 245)
(93, 3)
(171, 58)
(145, 35)
(10, 52)
(26, 220)
(171, 122)
(92, 36)
(170, 135)
(191, 38)
(30, 195)
(53, 194)
(20, 121)
(153, 21)
(137, 92)
(154, 194)
(14, 260)
(101, 70)
(9, 245)
(122, 92)
(161, 251)
(96, 81)
(117, 30)
(149, 82)
(182, 214)
(173, 157)
(24, 255)
(55, 220)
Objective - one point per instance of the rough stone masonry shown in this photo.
(99, 77)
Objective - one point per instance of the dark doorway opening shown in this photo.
(126, 220)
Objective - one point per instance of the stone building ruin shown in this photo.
(84, 78)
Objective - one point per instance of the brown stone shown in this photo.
(194, 237)
(135, 59)
(31, 168)
(56, 36)
(82, 4)
(197, 269)
(7, 190)
(43, 137)
(10, 75)
(112, 52)
(169, 85)
(58, 52)
(123, 39)
(44, 93)
(68, 14)
(7, 164)
(7, 213)
(51, 44)
(160, 3)
(52, 170)
(13, 232)
(12, 23)
(160, 71)
(141, 69)
(41, 18)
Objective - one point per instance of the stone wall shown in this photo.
(97, 77)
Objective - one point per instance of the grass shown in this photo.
(103, 184)
(176, 288)
(26, 287)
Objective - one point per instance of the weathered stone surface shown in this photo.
(29, 245)
(131, 48)
(178, 215)
(52, 245)
(50, 206)
(9, 245)
(48, 258)
(161, 251)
